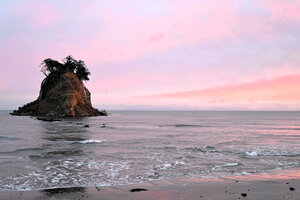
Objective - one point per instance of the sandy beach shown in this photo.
(277, 185)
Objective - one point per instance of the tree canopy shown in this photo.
(50, 66)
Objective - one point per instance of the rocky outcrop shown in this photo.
(61, 95)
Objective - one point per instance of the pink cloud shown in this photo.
(276, 72)
(283, 10)
(3, 85)
(156, 37)
(215, 43)
(40, 13)
(120, 37)
(183, 24)
(281, 90)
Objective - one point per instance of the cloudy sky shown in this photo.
(158, 54)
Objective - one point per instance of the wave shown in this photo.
(163, 148)
(8, 138)
(204, 149)
(234, 164)
(253, 154)
(11, 157)
(170, 148)
(90, 141)
(185, 126)
(283, 128)
(232, 142)
(23, 150)
(189, 125)
(231, 164)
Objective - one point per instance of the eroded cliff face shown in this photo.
(61, 96)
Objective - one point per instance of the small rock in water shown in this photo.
(86, 126)
(292, 189)
(244, 194)
(48, 119)
(154, 176)
(210, 147)
(138, 190)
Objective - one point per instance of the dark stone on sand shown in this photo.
(244, 194)
(138, 190)
(292, 189)
(54, 191)
(86, 126)
(61, 95)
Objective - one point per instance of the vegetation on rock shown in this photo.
(50, 66)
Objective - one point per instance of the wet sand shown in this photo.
(277, 185)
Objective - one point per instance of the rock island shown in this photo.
(62, 92)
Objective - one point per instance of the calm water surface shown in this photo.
(137, 146)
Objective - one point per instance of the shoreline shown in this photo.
(282, 184)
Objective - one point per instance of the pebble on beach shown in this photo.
(244, 194)
(138, 190)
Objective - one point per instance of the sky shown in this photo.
(158, 54)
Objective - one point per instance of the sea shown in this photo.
(129, 147)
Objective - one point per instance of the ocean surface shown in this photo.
(140, 146)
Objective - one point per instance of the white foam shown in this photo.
(171, 165)
(251, 153)
(167, 165)
(179, 163)
(225, 165)
(91, 141)
(243, 173)
(231, 165)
